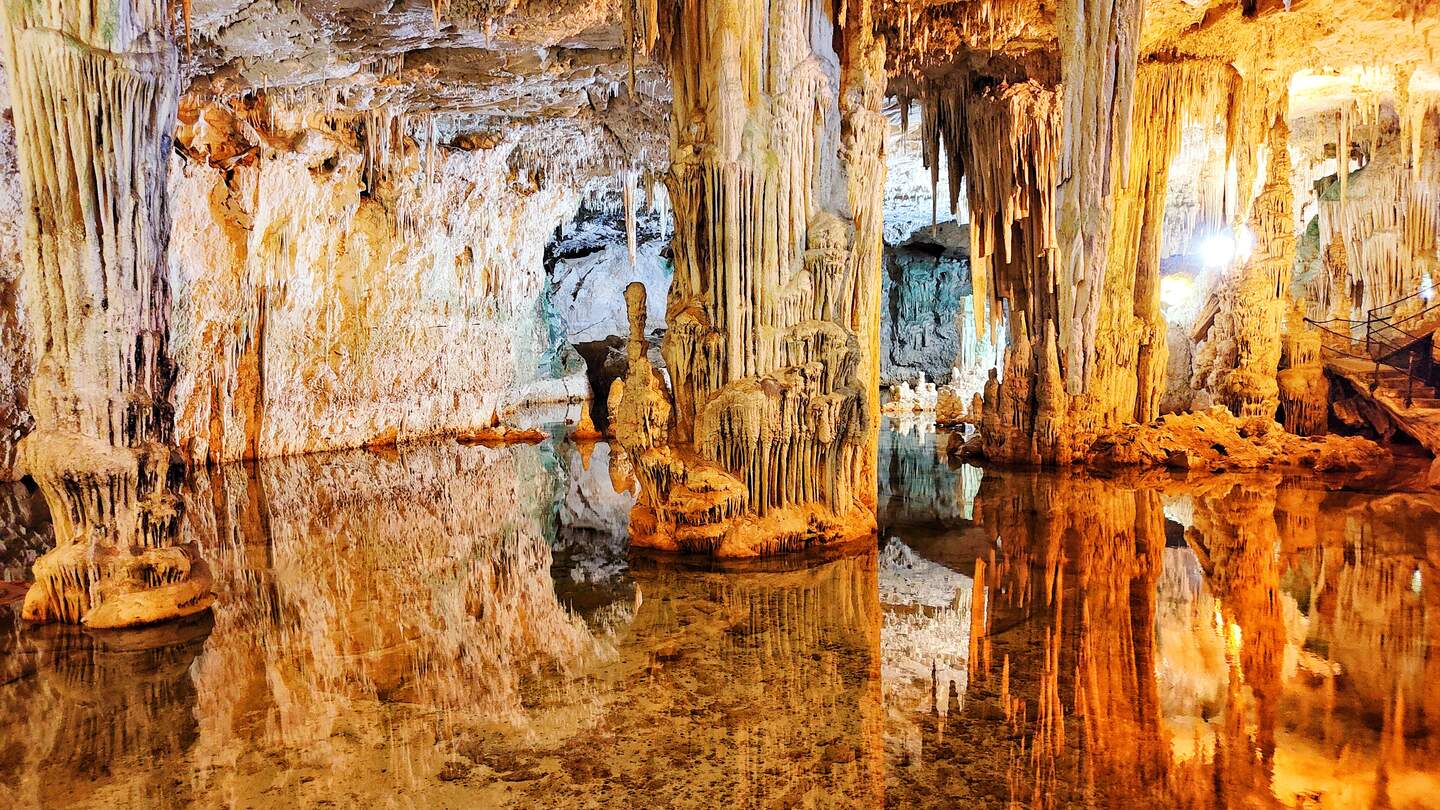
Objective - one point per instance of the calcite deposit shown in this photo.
(98, 299)
(236, 231)
(763, 438)
(326, 303)
(1216, 441)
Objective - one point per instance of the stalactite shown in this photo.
(1007, 139)
(1342, 154)
(1384, 224)
(1010, 154)
(98, 299)
(642, 20)
(629, 200)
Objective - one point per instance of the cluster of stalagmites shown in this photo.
(773, 460)
(122, 564)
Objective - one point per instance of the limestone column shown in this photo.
(1256, 295)
(94, 88)
(777, 171)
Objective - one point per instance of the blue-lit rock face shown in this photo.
(924, 281)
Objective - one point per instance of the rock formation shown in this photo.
(1303, 388)
(1136, 140)
(240, 231)
(98, 301)
(763, 440)
(14, 334)
(328, 300)
(354, 257)
(927, 323)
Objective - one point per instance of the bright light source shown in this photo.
(1427, 286)
(1176, 291)
(1225, 247)
(1244, 243)
(1218, 250)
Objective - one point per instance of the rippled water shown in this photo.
(449, 626)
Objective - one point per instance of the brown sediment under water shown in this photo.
(451, 626)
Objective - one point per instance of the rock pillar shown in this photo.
(777, 172)
(94, 88)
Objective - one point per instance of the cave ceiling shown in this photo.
(1333, 47)
(557, 71)
(563, 68)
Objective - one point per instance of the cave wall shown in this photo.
(313, 315)
(307, 317)
(924, 287)
(587, 291)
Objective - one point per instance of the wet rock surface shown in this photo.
(924, 280)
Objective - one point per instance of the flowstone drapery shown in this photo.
(764, 439)
(94, 88)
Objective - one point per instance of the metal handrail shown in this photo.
(1396, 302)
(1377, 350)
(1426, 311)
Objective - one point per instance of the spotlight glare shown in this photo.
(1218, 250)
(1176, 291)
(1244, 243)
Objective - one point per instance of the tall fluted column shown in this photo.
(1253, 299)
(94, 90)
(777, 168)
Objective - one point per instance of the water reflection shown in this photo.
(465, 626)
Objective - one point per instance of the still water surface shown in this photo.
(449, 626)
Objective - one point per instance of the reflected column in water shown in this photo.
(371, 606)
(97, 719)
(1062, 706)
(1237, 541)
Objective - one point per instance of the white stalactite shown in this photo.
(777, 177)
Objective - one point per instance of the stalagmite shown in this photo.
(1304, 390)
(1248, 326)
(94, 89)
(1131, 351)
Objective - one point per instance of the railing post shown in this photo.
(1370, 352)
(1410, 380)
